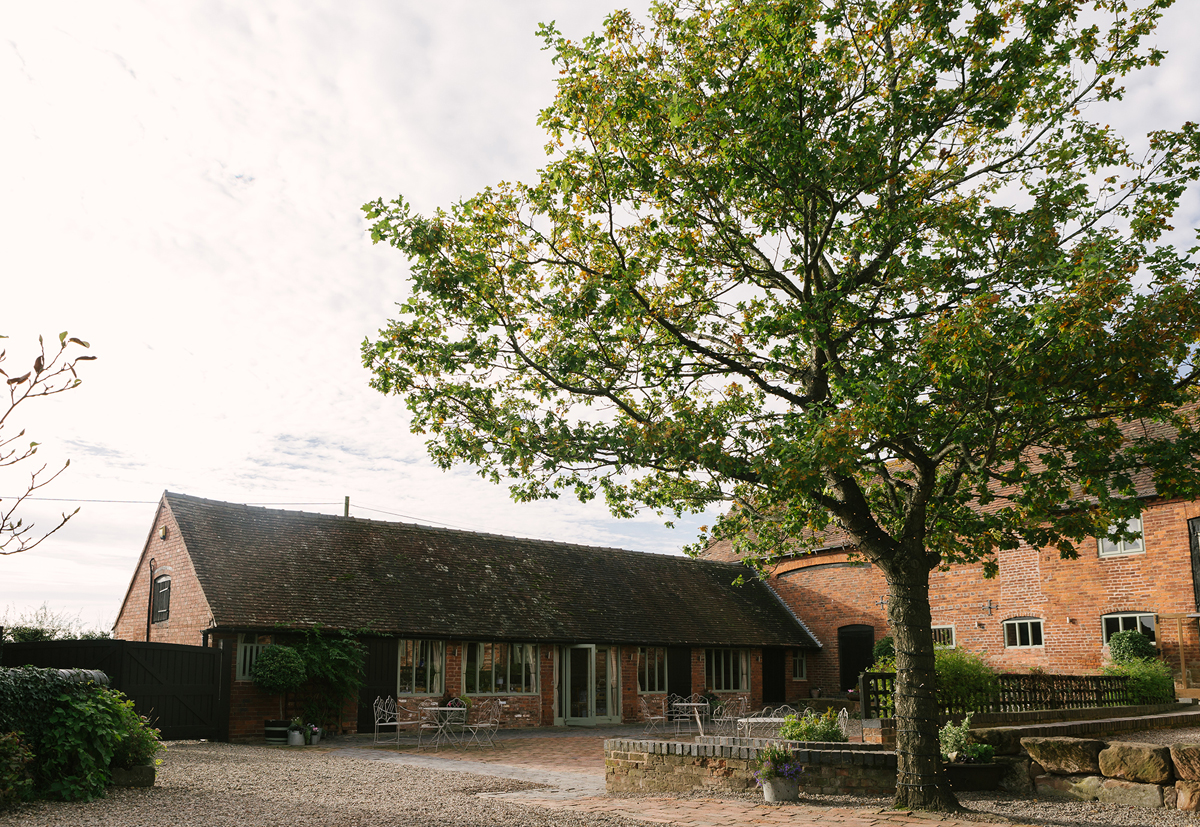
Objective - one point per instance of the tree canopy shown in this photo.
(855, 264)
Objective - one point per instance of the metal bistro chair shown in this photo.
(725, 716)
(486, 722)
(429, 726)
(654, 719)
(385, 718)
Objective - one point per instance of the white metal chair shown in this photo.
(485, 724)
(385, 718)
(654, 720)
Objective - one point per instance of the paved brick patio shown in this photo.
(572, 763)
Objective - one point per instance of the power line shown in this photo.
(411, 517)
(132, 502)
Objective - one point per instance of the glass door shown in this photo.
(580, 683)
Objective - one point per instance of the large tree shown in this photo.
(864, 264)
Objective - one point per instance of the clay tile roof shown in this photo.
(262, 567)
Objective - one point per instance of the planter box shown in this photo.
(776, 790)
(971, 777)
(140, 776)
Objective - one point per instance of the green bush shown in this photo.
(16, 782)
(885, 650)
(279, 670)
(964, 680)
(84, 735)
(1130, 645)
(1150, 681)
(955, 740)
(335, 668)
(140, 742)
(812, 727)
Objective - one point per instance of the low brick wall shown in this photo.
(634, 766)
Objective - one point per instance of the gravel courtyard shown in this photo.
(349, 783)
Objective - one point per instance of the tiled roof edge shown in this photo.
(795, 616)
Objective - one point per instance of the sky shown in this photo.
(180, 186)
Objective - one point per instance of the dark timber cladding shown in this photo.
(260, 568)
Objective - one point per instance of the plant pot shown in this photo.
(316, 738)
(972, 777)
(295, 739)
(778, 790)
(814, 693)
(276, 732)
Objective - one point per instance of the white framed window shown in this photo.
(248, 648)
(421, 667)
(943, 637)
(652, 669)
(1126, 621)
(1115, 548)
(1022, 632)
(799, 665)
(500, 668)
(727, 670)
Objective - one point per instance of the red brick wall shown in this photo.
(1069, 596)
(189, 612)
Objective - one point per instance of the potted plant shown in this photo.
(278, 670)
(968, 765)
(778, 774)
(296, 736)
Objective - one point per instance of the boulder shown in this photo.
(1170, 797)
(1066, 756)
(1186, 758)
(1068, 787)
(1143, 763)
(1187, 795)
(1131, 794)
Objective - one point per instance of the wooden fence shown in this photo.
(1011, 693)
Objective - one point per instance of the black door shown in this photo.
(679, 670)
(379, 678)
(1194, 538)
(773, 677)
(854, 653)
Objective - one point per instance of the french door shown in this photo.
(590, 684)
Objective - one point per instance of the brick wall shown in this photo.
(1069, 596)
(189, 612)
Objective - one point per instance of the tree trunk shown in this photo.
(920, 782)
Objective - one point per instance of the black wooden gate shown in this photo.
(183, 690)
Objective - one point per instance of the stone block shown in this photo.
(1142, 763)
(1066, 756)
(1068, 787)
(1187, 795)
(1016, 778)
(1186, 758)
(1130, 793)
(1170, 797)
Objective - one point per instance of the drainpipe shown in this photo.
(150, 601)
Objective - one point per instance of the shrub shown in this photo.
(28, 696)
(955, 740)
(812, 727)
(279, 670)
(85, 732)
(1150, 681)
(964, 680)
(16, 783)
(1130, 645)
(140, 742)
(335, 668)
(885, 650)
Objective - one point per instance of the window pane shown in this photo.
(1147, 626)
(660, 664)
(1035, 632)
(1112, 625)
(404, 675)
(1010, 634)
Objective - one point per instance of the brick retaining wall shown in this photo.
(634, 766)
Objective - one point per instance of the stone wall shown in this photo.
(1121, 772)
(634, 766)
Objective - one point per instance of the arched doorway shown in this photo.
(855, 644)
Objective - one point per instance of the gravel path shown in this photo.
(223, 785)
(220, 785)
